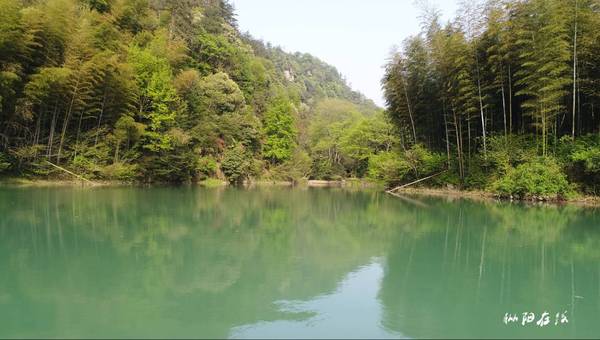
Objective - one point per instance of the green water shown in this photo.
(193, 262)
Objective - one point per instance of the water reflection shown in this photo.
(352, 311)
(191, 262)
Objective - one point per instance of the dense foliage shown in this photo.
(503, 83)
(154, 91)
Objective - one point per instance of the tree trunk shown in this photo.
(78, 133)
(36, 136)
(117, 152)
(469, 138)
(100, 118)
(458, 145)
(447, 135)
(412, 121)
(575, 70)
(510, 105)
(52, 128)
(66, 121)
(504, 108)
(481, 110)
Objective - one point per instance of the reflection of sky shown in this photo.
(352, 311)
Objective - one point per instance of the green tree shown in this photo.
(280, 132)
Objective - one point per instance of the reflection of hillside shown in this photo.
(177, 262)
(189, 262)
(478, 262)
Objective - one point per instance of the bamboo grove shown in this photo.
(503, 83)
(154, 91)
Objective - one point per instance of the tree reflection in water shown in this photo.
(192, 262)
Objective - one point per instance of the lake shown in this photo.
(279, 262)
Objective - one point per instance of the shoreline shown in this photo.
(357, 184)
(210, 182)
(587, 201)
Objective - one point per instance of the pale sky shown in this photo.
(355, 36)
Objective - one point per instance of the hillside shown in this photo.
(155, 91)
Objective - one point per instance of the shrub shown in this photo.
(236, 164)
(207, 167)
(323, 168)
(295, 169)
(581, 160)
(411, 164)
(425, 161)
(388, 167)
(120, 171)
(83, 165)
(506, 152)
(540, 177)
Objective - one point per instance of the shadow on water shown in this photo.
(279, 262)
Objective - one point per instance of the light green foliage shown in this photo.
(540, 177)
(157, 95)
(280, 132)
(504, 153)
(368, 136)
(389, 167)
(218, 95)
(342, 136)
(404, 166)
(120, 171)
(331, 118)
(423, 161)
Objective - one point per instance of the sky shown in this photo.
(355, 36)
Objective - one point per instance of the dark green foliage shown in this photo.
(237, 164)
(4, 164)
(581, 159)
(207, 167)
(99, 5)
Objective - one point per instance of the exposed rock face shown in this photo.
(289, 76)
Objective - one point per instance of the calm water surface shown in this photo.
(216, 263)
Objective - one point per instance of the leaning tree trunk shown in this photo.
(482, 114)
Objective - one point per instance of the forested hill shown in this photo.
(310, 76)
(159, 90)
